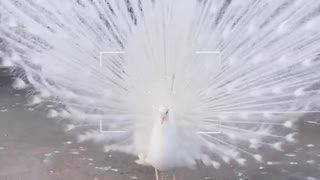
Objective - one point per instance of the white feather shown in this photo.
(19, 84)
(258, 157)
(119, 62)
(278, 146)
(52, 113)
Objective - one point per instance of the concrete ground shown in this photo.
(33, 147)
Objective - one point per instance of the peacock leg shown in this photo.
(174, 175)
(157, 175)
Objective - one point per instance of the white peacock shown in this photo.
(180, 81)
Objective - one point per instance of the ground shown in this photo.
(33, 147)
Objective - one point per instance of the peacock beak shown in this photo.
(164, 117)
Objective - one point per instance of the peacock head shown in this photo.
(164, 114)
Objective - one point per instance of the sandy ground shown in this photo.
(33, 147)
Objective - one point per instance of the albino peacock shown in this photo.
(170, 81)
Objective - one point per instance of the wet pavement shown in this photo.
(33, 147)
